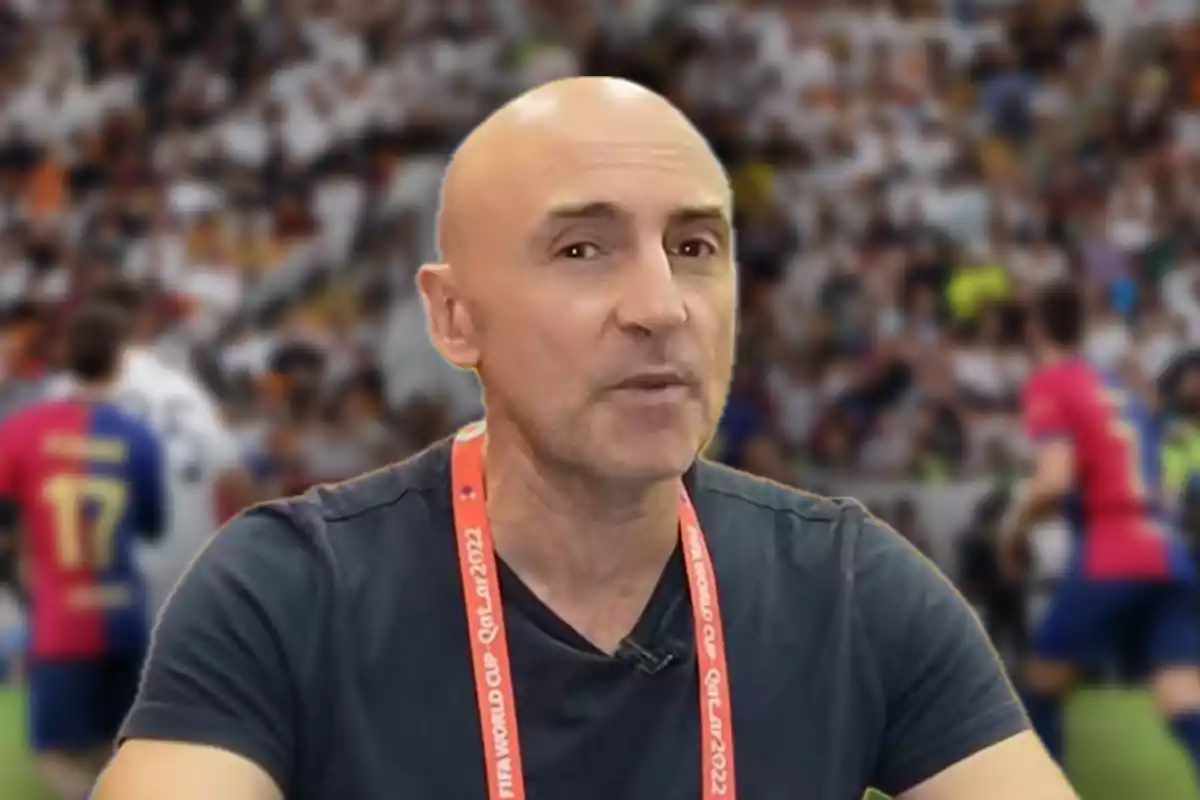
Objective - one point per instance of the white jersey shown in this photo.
(198, 449)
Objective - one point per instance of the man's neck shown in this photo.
(92, 391)
(1052, 355)
(591, 551)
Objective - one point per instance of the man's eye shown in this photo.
(579, 251)
(696, 248)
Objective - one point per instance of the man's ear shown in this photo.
(450, 327)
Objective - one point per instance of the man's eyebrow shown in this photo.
(701, 214)
(602, 209)
(584, 211)
(716, 217)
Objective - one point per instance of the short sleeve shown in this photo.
(1043, 413)
(946, 693)
(222, 668)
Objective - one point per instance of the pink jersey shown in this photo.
(85, 481)
(1115, 506)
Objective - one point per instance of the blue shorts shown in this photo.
(80, 704)
(1140, 624)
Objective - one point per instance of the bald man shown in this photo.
(563, 601)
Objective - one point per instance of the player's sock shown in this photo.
(1186, 727)
(1045, 713)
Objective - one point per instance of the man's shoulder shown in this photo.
(827, 556)
(1049, 392)
(1040, 381)
(426, 472)
(339, 539)
(109, 417)
(35, 415)
(832, 529)
(740, 490)
(805, 528)
(20, 416)
(373, 503)
(1068, 375)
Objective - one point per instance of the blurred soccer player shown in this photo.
(80, 480)
(205, 482)
(1130, 589)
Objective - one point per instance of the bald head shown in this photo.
(587, 239)
(518, 147)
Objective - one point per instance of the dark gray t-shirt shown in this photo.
(325, 639)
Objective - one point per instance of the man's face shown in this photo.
(605, 318)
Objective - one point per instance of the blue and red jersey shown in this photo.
(85, 480)
(1116, 508)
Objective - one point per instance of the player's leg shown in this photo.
(1044, 685)
(62, 715)
(1048, 674)
(121, 678)
(13, 650)
(1082, 618)
(1173, 650)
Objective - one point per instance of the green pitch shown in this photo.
(1117, 750)
(17, 777)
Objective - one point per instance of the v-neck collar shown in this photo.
(665, 601)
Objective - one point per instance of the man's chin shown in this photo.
(639, 448)
(648, 460)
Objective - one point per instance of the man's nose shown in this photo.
(650, 296)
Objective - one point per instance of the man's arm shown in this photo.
(144, 769)
(1052, 478)
(149, 483)
(1048, 424)
(1015, 767)
(952, 719)
(216, 715)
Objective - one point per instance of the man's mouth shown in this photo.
(657, 381)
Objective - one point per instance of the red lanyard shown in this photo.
(489, 641)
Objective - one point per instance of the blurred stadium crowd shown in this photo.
(906, 172)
